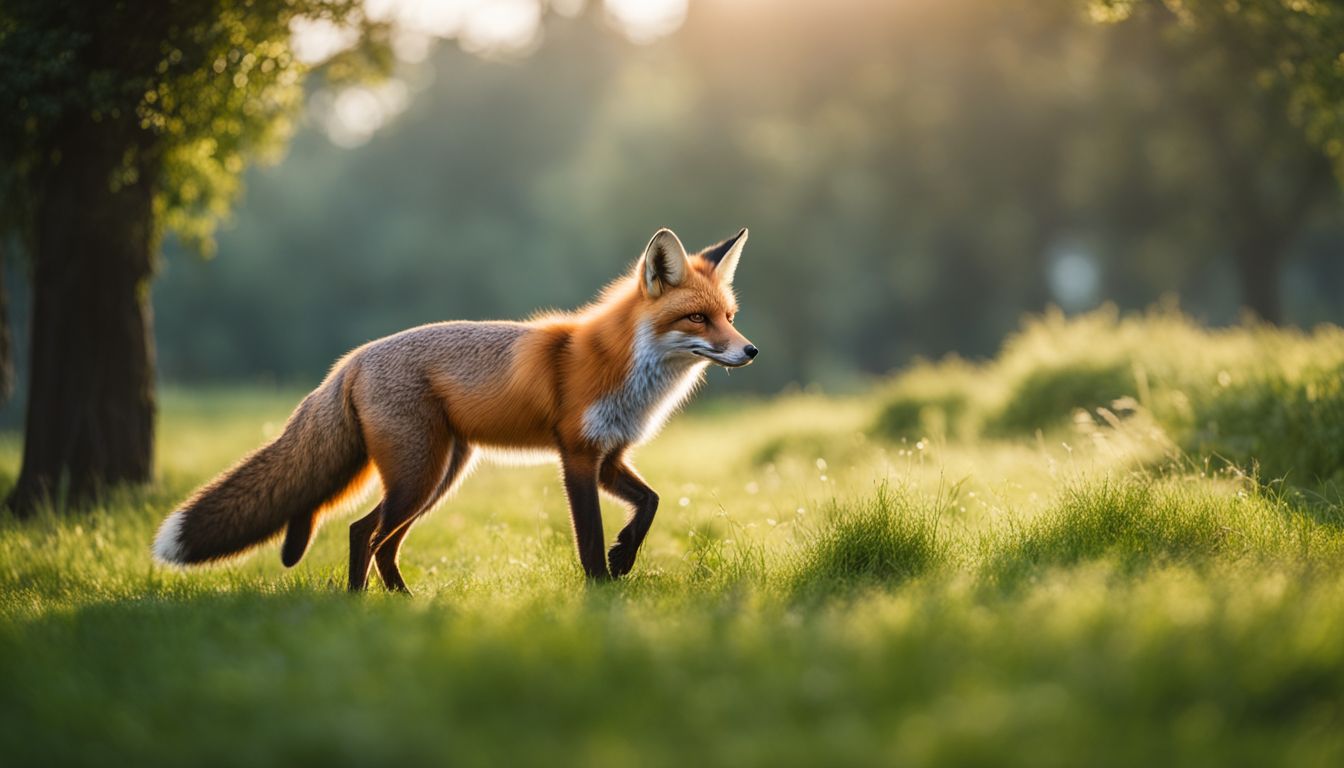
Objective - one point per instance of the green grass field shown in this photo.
(1119, 543)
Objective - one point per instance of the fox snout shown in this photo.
(746, 355)
(732, 358)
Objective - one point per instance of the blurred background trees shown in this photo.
(916, 175)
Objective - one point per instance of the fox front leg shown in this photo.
(624, 483)
(585, 512)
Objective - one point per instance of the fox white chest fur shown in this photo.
(661, 376)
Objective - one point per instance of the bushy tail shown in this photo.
(315, 462)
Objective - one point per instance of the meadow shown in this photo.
(1119, 542)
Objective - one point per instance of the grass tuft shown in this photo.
(1140, 523)
(886, 539)
(1048, 397)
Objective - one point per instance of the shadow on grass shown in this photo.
(310, 676)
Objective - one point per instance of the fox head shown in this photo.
(689, 302)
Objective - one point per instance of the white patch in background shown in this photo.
(168, 549)
(662, 374)
(1074, 277)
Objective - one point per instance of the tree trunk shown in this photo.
(6, 339)
(1258, 265)
(90, 417)
(1266, 233)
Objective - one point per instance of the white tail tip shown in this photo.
(168, 548)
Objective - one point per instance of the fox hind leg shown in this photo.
(388, 546)
(362, 532)
(411, 454)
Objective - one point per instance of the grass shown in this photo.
(949, 591)
(1257, 397)
(882, 540)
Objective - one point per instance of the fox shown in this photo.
(414, 411)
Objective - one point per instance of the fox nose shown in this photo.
(750, 350)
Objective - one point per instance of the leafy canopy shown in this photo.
(1295, 46)
(185, 91)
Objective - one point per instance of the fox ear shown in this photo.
(664, 264)
(724, 256)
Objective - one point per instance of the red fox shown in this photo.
(418, 407)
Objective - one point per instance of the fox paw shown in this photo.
(621, 557)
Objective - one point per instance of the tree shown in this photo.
(1262, 81)
(129, 118)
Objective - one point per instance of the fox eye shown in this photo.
(697, 318)
(730, 318)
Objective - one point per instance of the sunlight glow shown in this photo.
(502, 26)
(480, 26)
(644, 21)
(316, 40)
(483, 27)
(352, 115)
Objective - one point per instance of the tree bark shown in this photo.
(1259, 268)
(1267, 232)
(6, 338)
(90, 416)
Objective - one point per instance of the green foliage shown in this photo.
(1288, 423)
(1291, 46)
(184, 92)
(1020, 618)
(1143, 524)
(1265, 399)
(881, 540)
(1049, 396)
(912, 416)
